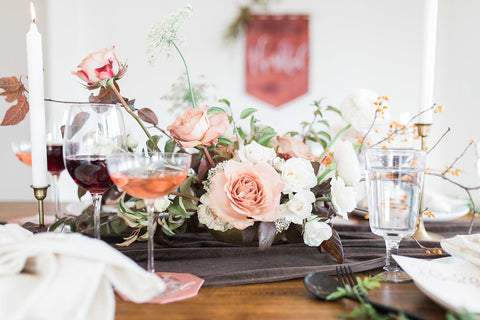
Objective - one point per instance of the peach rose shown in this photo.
(242, 193)
(98, 67)
(294, 148)
(195, 128)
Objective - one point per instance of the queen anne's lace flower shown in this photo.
(316, 232)
(164, 33)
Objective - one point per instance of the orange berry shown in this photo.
(473, 140)
(375, 103)
(428, 252)
(369, 144)
(386, 98)
(384, 147)
(376, 130)
(327, 149)
(367, 216)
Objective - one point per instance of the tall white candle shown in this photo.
(37, 104)
(427, 73)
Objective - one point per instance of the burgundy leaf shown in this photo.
(334, 247)
(148, 115)
(266, 234)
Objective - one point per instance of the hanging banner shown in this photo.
(277, 57)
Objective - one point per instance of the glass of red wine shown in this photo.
(148, 177)
(56, 118)
(92, 132)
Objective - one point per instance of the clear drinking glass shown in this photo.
(148, 177)
(394, 183)
(93, 132)
(56, 118)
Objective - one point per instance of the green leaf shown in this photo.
(241, 133)
(215, 110)
(246, 112)
(325, 134)
(264, 140)
(170, 146)
(57, 224)
(150, 146)
(118, 226)
(176, 209)
(224, 101)
(331, 108)
(325, 122)
(224, 141)
(267, 130)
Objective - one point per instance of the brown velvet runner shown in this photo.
(222, 264)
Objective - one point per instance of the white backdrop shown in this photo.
(373, 44)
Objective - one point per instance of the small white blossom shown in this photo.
(207, 218)
(315, 232)
(298, 175)
(164, 33)
(281, 225)
(298, 208)
(255, 153)
(347, 163)
(358, 108)
(343, 198)
(161, 205)
(277, 163)
(132, 142)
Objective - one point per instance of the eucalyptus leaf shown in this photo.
(224, 101)
(246, 112)
(331, 108)
(224, 141)
(215, 110)
(264, 140)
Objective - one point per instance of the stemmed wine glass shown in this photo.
(394, 187)
(148, 177)
(56, 118)
(93, 132)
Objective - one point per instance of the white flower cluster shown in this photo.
(207, 218)
(164, 33)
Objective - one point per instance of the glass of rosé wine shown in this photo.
(92, 132)
(149, 177)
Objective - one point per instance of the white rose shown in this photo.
(347, 163)
(358, 108)
(343, 198)
(298, 208)
(255, 153)
(315, 232)
(298, 175)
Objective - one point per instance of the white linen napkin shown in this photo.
(66, 276)
(465, 247)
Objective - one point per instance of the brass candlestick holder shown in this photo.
(40, 194)
(421, 233)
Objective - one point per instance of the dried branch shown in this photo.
(438, 141)
(458, 158)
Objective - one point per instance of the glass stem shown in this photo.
(97, 203)
(56, 201)
(151, 231)
(391, 246)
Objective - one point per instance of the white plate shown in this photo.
(456, 212)
(452, 283)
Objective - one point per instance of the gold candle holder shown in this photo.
(40, 194)
(421, 233)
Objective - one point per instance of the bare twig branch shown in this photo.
(438, 141)
(458, 158)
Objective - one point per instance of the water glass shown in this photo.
(394, 186)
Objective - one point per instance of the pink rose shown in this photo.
(98, 67)
(195, 128)
(243, 193)
(294, 148)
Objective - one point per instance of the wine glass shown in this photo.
(394, 186)
(56, 118)
(148, 177)
(92, 132)
(23, 151)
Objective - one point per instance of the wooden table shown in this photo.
(279, 300)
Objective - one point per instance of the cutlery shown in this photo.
(321, 286)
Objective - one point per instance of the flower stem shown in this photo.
(209, 158)
(188, 75)
(129, 110)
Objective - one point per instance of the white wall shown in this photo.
(372, 44)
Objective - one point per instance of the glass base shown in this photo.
(397, 276)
